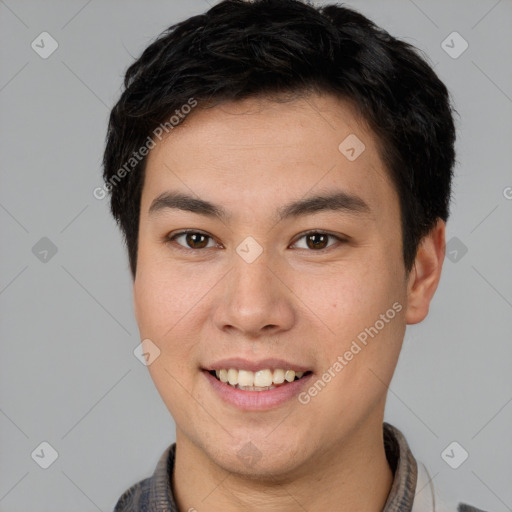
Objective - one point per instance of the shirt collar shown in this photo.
(399, 456)
(405, 470)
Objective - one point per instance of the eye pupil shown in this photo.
(191, 239)
(315, 245)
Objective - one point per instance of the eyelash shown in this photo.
(171, 239)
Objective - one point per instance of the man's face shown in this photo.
(257, 289)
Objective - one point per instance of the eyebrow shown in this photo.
(334, 201)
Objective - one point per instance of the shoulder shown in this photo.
(152, 491)
(464, 507)
(427, 500)
(133, 498)
(460, 507)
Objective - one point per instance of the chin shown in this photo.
(257, 460)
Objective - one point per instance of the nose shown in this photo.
(254, 300)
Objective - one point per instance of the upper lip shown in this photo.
(240, 363)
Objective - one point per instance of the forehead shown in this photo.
(252, 152)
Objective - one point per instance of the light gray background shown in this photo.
(68, 373)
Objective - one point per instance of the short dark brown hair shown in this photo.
(240, 49)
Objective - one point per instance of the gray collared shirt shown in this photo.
(411, 490)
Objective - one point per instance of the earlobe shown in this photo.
(425, 274)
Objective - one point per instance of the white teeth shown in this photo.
(254, 388)
(245, 378)
(233, 376)
(261, 380)
(278, 376)
(289, 375)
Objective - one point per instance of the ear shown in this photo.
(425, 274)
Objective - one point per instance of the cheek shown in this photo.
(171, 308)
(362, 309)
(162, 295)
(153, 308)
(351, 296)
(165, 313)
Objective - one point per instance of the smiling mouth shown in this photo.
(262, 380)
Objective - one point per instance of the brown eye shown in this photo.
(192, 240)
(318, 240)
(196, 240)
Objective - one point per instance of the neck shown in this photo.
(353, 475)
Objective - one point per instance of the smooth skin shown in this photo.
(199, 301)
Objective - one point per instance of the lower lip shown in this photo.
(257, 400)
